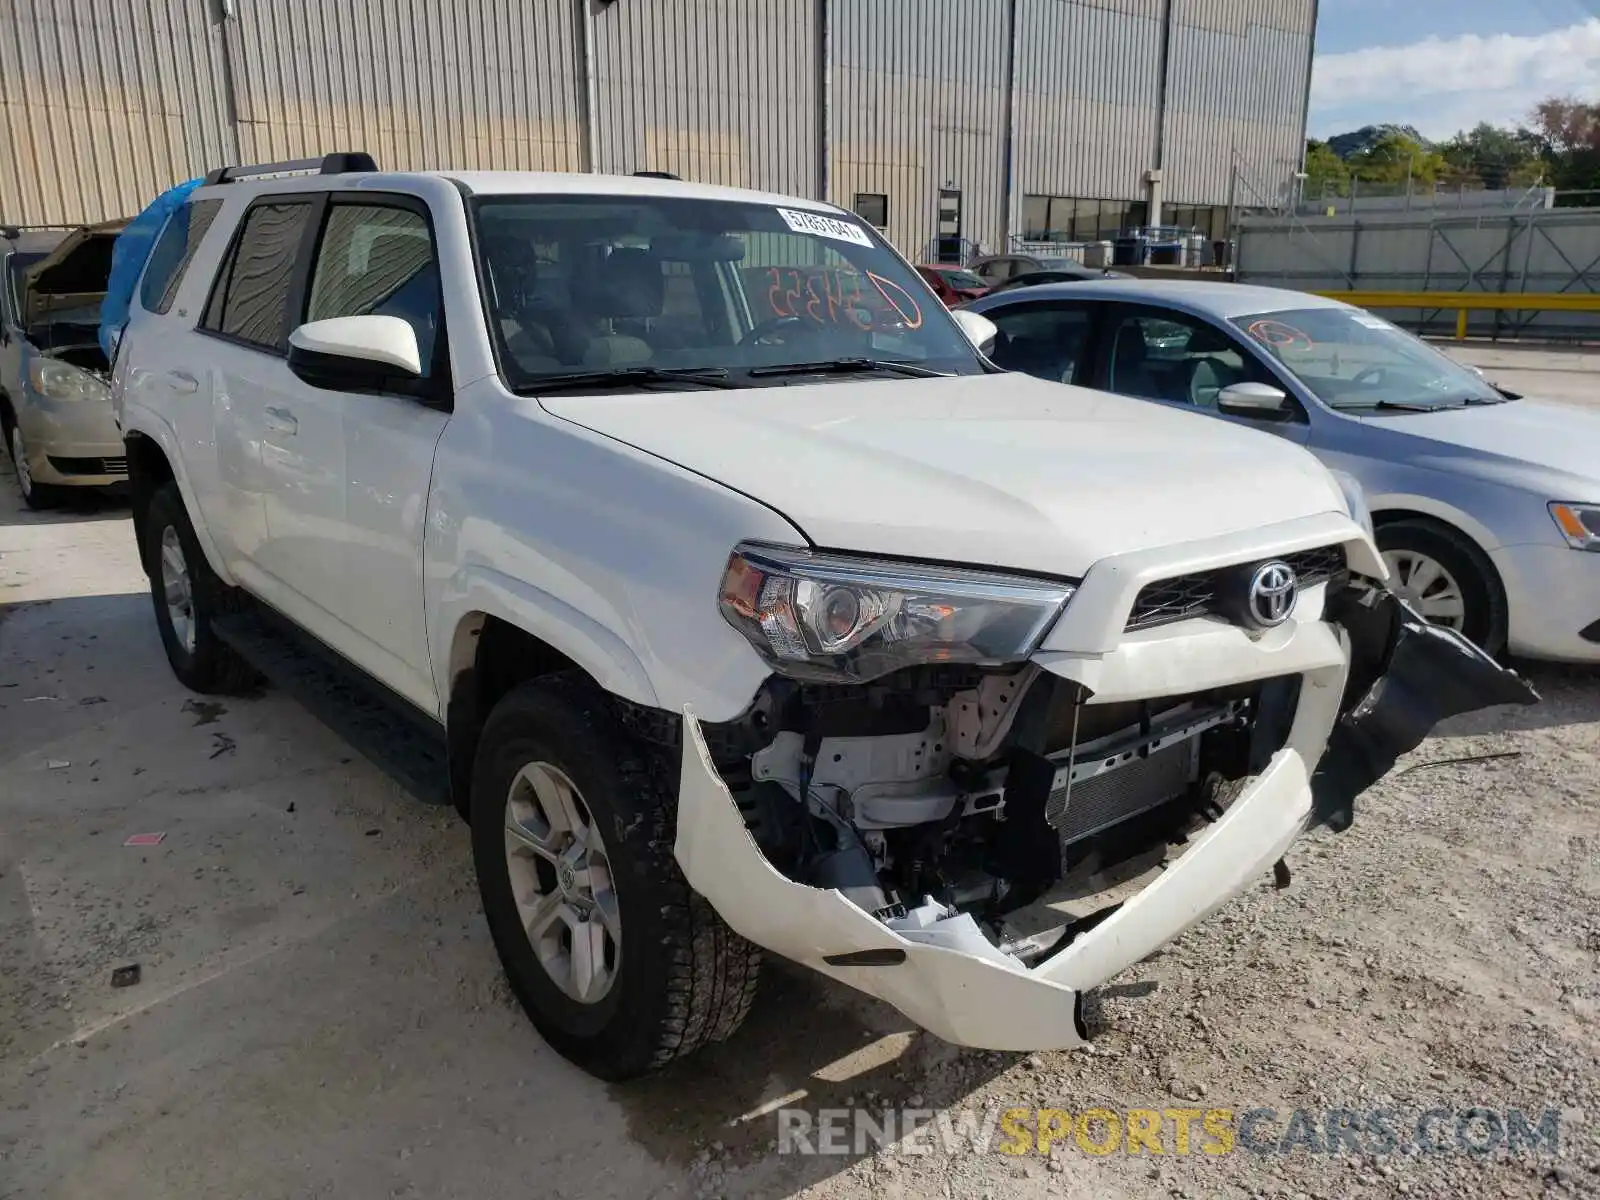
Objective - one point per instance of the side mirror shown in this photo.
(979, 330)
(367, 353)
(1252, 400)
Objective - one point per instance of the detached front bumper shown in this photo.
(951, 980)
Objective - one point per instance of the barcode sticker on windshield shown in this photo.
(828, 227)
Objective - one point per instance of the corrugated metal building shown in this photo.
(1065, 119)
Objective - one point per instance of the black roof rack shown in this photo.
(654, 175)
(328, 164)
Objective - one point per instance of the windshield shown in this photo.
(961, 279)
(596, 283)
(1352, 359)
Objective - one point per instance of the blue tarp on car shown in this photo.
(128, 257)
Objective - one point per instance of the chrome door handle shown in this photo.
(183, 382)
(281, 420)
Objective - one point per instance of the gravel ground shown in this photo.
(1444, 953)
(320, 1011)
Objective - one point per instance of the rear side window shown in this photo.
(379, 260)
(250, 300)
(174, 249)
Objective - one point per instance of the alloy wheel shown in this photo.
(19, 457)
(562, 881)
(178, 589)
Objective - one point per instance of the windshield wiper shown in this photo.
(846, 366)
(1397, 406)
(623, 377)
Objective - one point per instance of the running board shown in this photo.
(386, 729)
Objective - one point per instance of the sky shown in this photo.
(1445, 65)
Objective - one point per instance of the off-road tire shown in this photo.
(212, 667)
(683, 977)
(1484, 619)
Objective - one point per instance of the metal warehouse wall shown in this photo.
(1236, 91)
(1088, 92)
(105, 102)
(918, 102)
(103, 105)
(720, 91)
(418, 83)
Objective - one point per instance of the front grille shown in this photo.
(90, 466)
(1185, 596)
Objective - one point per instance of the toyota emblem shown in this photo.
(1271, 596)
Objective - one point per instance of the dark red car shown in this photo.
(954, 285)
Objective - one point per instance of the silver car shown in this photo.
(1486, 504)
(55, 398)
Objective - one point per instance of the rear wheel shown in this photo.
(619, 964)
(188, 598)
(1446, 579)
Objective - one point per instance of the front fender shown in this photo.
(607, 659)
(1405, 677)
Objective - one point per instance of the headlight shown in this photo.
(843, 619)
(1579, 524)
(1355, 500)
(62, 381)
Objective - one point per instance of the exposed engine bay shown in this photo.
(989, 793)
(1012, 797)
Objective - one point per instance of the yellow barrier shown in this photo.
(1465, 302)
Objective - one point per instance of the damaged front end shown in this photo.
(977, 844)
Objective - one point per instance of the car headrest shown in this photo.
(627, 283)
(1206, 340)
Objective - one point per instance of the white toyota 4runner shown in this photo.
(684, 539)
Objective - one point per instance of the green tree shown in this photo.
(1498, 158)
(1326, 173)
(1395, 158)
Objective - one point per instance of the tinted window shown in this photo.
(1173, 356)
(379, 261)
(1042, 340)
(251, 299)
(180, 238)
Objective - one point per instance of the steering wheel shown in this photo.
(1369, 374)
(769, 328)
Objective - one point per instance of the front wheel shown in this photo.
(34, 494)
(619, 964)
(188, 598)
(1446, 579)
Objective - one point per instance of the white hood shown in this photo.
(1002, 470)
(1542, 434)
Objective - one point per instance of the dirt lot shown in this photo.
(319, 1011)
